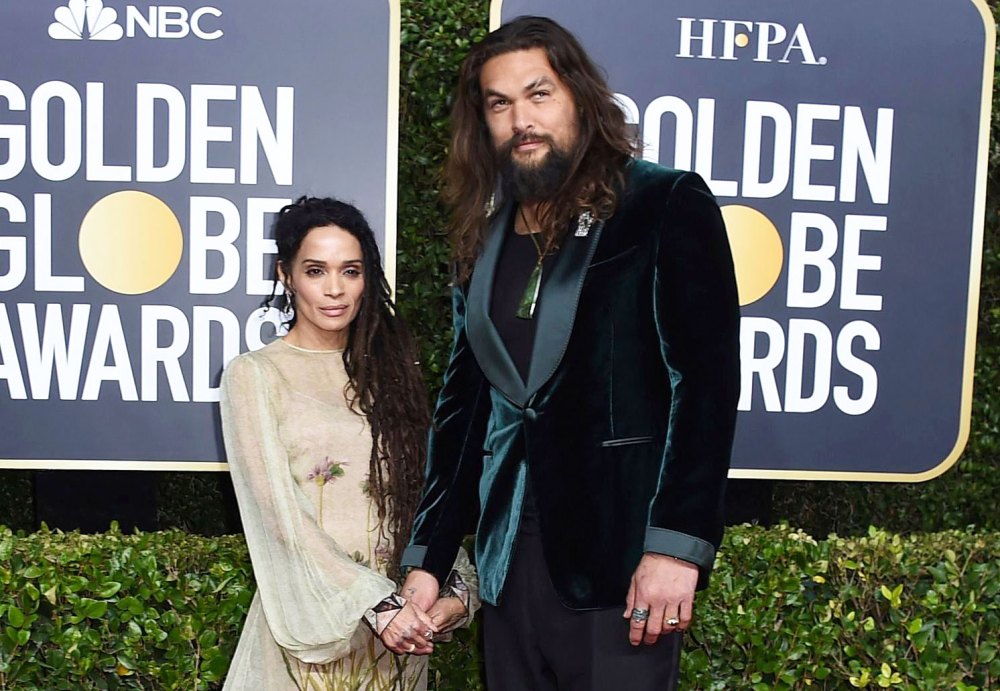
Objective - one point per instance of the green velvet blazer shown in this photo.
(625, 423)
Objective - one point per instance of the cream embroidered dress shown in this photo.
(299, 462)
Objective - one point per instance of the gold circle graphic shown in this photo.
(757, 251)
(742, 40)
(131, 242)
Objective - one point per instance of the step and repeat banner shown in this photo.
(847, 145)
(143, 152)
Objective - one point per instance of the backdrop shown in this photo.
(143, 151)
(847, 145)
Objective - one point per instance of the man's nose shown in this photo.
(520, 119)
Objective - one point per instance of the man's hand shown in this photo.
(421, 588)
(664, 587)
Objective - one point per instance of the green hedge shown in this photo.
(164, 610)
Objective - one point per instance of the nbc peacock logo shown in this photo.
(79, 19)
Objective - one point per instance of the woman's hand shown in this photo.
(410, 632)
(447, 613)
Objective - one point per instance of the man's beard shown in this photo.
(538, 182)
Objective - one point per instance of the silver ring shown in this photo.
(413, 646)
(428, 634)
(672, 621)
(640, 614)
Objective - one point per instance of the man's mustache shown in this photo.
(507, 148)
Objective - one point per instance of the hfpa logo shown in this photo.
(79, 19)
(770, 40)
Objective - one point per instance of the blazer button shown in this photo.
(530, 414)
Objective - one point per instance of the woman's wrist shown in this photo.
(379, 616)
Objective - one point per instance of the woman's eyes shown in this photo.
(350, 271)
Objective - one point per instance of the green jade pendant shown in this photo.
(526, 308)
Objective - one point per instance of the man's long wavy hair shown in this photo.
(384, 379)
(597, 169)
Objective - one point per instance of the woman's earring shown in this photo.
(289, 303)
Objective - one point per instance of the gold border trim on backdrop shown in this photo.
(206, 466)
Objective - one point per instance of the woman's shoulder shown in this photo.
(252, 363)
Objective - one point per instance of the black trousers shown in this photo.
(535, 643)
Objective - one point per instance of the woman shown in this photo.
(325, 433)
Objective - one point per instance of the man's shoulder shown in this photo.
(650, 186)
(643, 173)
(646, 177)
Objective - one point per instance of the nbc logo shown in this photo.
(79, 19)
(90, 18)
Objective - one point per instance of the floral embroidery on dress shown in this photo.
(322, 473)
(327, 471)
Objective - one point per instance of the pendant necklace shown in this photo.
(529, 300)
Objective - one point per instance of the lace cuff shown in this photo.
(379, 616)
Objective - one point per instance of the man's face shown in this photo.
(531, 116)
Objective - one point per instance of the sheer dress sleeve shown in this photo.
(312, 592)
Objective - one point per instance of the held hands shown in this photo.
(662, 588)
(409, 632)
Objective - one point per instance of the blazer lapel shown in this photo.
(557, 306)
(487, 345)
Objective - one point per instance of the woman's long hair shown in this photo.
(384, 378)
(597, 167)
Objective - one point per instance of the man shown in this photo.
(587, 414)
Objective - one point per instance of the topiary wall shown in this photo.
(164, 611)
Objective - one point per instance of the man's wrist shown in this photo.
(421, 586)
(671, 557)
(417, 572)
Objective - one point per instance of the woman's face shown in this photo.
(327, 279)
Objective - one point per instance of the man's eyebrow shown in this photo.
(543, 80)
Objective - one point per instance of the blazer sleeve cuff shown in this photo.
(413, 557)
(680, 546)
(431, 561)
